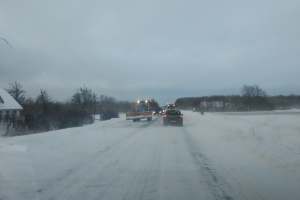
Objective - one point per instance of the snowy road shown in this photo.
(210, 157)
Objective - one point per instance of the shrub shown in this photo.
(108, 114)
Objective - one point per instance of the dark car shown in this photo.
(157, 111)
(173, 117)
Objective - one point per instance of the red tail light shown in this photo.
(165, 116)
(180, 116)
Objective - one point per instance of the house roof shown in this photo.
(7, 102)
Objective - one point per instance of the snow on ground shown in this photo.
(252, 155)
(273, 138)
(269, 141)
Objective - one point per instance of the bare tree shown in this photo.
(16, 91)
(84, 100)
(44, 100)
(252, 91)
(258, 92)
(254, 98)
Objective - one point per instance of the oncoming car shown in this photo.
(173, 117)
(171, 106)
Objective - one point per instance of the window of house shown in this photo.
(7, 114)
(14, 114)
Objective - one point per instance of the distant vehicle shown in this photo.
(157, 111)
(142, 112)
(167, 107)
(163, 109)
(171, 106)
(173, 117)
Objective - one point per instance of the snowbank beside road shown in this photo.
(268, 140)
(277, 133)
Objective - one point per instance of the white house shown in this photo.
(9, 107)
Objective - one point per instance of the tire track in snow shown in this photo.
(207, 170)
(69, 182)
(148, 123)
(68, 185)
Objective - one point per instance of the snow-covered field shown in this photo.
(213, 156)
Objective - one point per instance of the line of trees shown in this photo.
(281, 102)
(42, 113)
(252, 98)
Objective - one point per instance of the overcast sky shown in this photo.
(161, 49)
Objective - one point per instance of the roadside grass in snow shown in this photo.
(8, 129)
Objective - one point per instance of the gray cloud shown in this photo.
(164, 49)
